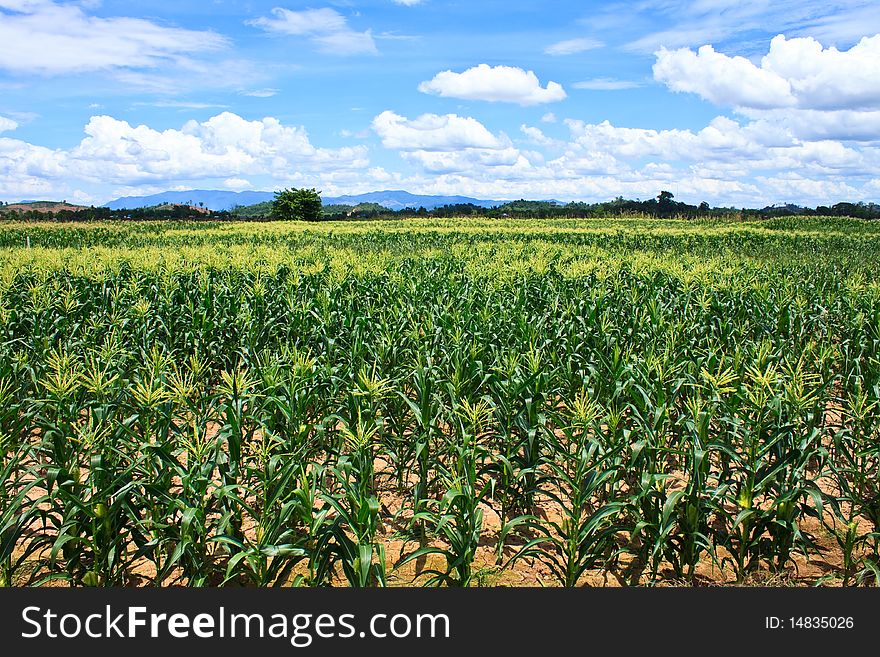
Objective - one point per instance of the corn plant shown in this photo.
(457, 516)
(583, 481)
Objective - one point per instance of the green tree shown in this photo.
(297, 205)
(665, 198)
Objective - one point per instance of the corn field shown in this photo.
(440, 403)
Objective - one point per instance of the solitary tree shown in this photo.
(297, 205)
(665, 198)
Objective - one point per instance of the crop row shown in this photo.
(276, 427)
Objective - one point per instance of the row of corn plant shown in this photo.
(298, 419)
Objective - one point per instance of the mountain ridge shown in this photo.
(226, 200)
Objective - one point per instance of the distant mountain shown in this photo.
(223, 200)
(398, 199)
(212, 199)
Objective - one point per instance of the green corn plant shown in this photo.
(855, 470)
(180, 538)
(351, 539)
(128, 329)
(268, 554)
(769, 478)
(583, 482)
(457, 517)
(426, 410)
(92, 513)
(19, 511)
(237, 392)
(56, 416)
(694, 506)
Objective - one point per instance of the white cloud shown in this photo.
(7, 124)
(537, 136)
(749, 147)
(183, 104)
(495, 84)
(237, 184)
(827, 78)
(407, 3)
(44, 37)
(813, 125)
(446, 144)
(572, 46)
(723, 80)
(433, 132)
(727, 162)
(355, 134)
(190, 75)
(549, 117)
(326, 29)
(795, 72)
(308, 22)
(466, 161)
(798, 88)
(22, 5)
(261, 93)
(225, 148)
(605, 84)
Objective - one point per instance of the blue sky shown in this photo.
(736, 102)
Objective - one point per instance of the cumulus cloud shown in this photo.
(572, 46)
(226, 148)
(446, 144)
(7, 124)
(537, 136)
(827, 78)
(813, 125)
(44, 37)
(434, 132)
(798, 87)
(795, 72)
(749, 147)
(495, 84)
(326, 29)
(727, 161)
(237, 184)
(467, 161)
(723, 80)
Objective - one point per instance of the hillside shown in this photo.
(41, 206)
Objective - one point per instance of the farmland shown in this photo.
(451, 402)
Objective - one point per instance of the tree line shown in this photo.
(293, 204)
